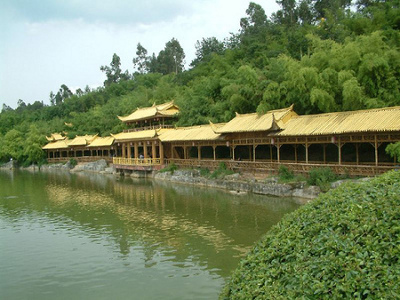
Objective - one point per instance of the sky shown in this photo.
(47, 43)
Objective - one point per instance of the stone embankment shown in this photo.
(236, 183)
(239, 184)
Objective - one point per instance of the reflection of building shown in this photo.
(348, 142)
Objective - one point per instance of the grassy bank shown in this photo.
(344, 244)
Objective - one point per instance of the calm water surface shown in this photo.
(80, 236)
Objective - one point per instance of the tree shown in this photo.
(113, 72)
(52, 98)
(206, 48)
(14, 144)
(288, 13)
(141, 61)
(33, 145)
(171, 59)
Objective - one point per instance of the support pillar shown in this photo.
(153, 150)
(295, 153)
(270, 151)
(199, 152)
(185, 156)
(254, 152)
(136, 150)
(306, 151)
(376, 150)
(278, 150)
(145, 149)
(340, 150)
(129, 151)
(215, 156)
(357, 154)
(123, 151)
(250, 152)
(161, 153)
(233, 152)
(324, 149)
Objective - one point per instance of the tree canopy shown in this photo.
(319, 55)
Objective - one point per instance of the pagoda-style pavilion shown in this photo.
(152, 117)
(351, 142)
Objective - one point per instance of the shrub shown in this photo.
(321, 177)
(285, 174)
(204, 172)
(73, 162)
(170, 168)
(221, 171)
(342, 245)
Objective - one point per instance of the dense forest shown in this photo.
(320, 55)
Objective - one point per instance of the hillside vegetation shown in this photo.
(320, 55)
(343, 245)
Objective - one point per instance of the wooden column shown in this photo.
(340, 150)
(376, 150)
(215, 156)
(153, 150)
(129, 150)
(172, 151)
(123, 151)
(185, 152)
(295, 152)
(306, 145)
(254, 152)
(278, 149)
(161, 153)
(270, 151)
(357, 154)
(250, 152)
(324, 149)
(145, 149)
(233, 152)
(136, 150)
(199, 152)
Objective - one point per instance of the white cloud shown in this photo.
(37, 57)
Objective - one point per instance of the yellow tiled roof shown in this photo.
(102, 141)
(168, 109)
(194, 133)
(271, 120)
(135, 135)
(55, 137)
(62, 144)
(371, 120)
(81, 140)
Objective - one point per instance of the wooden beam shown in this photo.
(357, 154)
(136, 149)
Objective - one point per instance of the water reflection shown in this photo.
(199, 231)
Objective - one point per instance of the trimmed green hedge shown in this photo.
(344, 244)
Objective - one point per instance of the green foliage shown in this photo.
(221, 171)
(170, 168)
(349, 60)
(342, 245)
(285, 174)
(321, 177)
(394, 150)
(73, 162)
(204, 172)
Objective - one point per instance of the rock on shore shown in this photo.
(239, 184)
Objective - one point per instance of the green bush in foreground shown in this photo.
(343, 245)
(321, 177)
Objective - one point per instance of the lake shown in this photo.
(92, 236)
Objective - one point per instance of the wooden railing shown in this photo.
(136, 161)
(79, 159)
(148, 128)
(273, 167)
